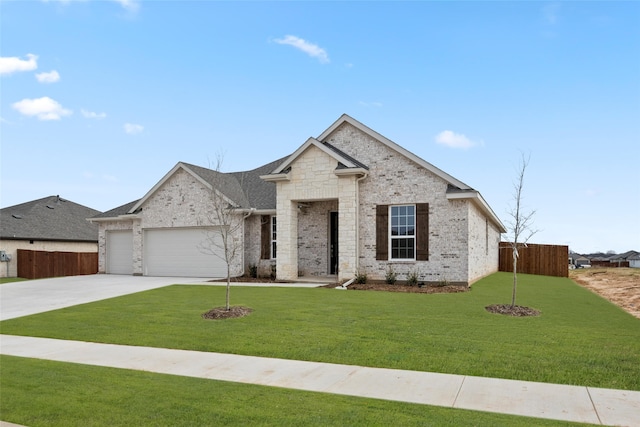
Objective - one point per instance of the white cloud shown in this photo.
(11, 64)
(455, 140)
(551, 13)
(50, 77)
(92, 115)
(133, 129)
(43, 108)
(129, 5)
(310, 49)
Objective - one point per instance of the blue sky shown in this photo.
(99, 99)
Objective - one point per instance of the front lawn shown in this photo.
(579, 338)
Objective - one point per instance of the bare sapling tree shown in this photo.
(224, 219)
(520, 224)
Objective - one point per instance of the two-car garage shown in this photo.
(178, 252)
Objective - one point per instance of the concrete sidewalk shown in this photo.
(540, 400)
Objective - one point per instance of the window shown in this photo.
(403, 232)
(273, 237)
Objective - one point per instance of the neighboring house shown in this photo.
(48, 224)
(349, 201)
(628, 256)
(634, 261)
(578, 260)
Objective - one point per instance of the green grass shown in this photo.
(11, 279)
(44, 393)
(579, 339)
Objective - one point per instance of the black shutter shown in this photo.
(265, 237)
(422, 231)
(382, 232)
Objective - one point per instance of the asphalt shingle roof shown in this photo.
(49, 218)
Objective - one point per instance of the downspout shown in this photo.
(246, 215)
(358, 220)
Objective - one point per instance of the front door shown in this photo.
(333, 243)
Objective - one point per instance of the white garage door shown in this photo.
(120, 252)
(178, 252)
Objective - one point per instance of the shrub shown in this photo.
(412, 278)
(273, 272)
(390, 277)
(361, 278)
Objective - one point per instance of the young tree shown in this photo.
(520, 224)
(224, 219)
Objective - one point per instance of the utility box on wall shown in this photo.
(4, 256)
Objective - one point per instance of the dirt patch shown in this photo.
(621, 286)
(222, 313)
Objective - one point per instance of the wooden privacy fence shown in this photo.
(41, 264)
(545, 260)
(609, 264)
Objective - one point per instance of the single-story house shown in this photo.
(348, 202)
(51, 224)
(578, 260)
(630, 256)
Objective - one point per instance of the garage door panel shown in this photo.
(119, 252)
(179, 253)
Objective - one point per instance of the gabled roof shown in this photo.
(225, 183)
(456, 189)
(50, 218)
(244, 189)
(344, 160)
(345, 118)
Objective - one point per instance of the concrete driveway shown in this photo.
(19, 299)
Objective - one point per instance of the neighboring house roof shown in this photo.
(50, 218)
(624, 256)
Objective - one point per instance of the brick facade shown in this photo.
(463, 234)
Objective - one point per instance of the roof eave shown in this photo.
(350, 171)
(275, 177)
(114, 218)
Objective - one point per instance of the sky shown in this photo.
(100, 99)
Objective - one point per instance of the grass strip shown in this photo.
(45, 393)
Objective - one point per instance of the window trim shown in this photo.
(413, 237)
(273, 234)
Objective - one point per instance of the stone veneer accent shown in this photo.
(312, 179)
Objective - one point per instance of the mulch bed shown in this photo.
(417, 289)
(223, 313)
(516, 310)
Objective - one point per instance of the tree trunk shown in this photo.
(228, 287)
(515, 277)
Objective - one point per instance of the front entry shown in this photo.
(333, 243)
